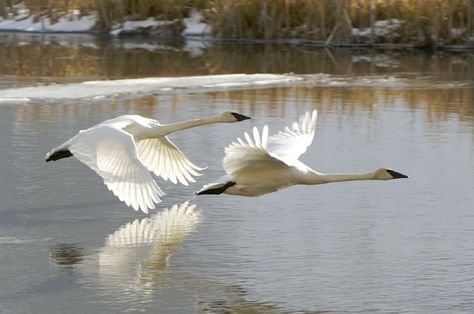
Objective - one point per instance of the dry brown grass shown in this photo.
(425, 21)
(318, 19)
(111, 11)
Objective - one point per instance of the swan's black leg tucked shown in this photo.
(218, 190)
(59, 154)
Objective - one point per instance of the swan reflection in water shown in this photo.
(133, 266)
(136, 256)
(141, 249)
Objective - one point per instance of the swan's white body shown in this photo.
(125, 149)
(264, 164)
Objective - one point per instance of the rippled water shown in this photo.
(67, 245)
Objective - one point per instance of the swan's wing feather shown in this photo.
(112, 154)
(247, 157)
(166, 160)
(290, 144)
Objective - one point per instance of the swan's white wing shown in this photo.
(159, 155)
(289, 144)
(166, 160)
(112, 154)
(250, 156)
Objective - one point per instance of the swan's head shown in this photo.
(230, 117)
(388, 174)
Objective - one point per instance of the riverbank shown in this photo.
(344, 23)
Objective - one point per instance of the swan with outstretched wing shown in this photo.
(124, 150)
(262, 164)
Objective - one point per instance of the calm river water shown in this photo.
(67, 245)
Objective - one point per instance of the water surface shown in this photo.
(67, 245)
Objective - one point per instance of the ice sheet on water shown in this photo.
(145, 86)
(135, 88)
(12, 240)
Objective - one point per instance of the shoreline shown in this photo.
(384, 34)
(284, 41)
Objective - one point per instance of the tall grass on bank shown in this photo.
(112, 11)
(109, 11)
(422, 22)
(323, 20)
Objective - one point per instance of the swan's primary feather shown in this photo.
(112, 154)
(251, 156)
(158, 154)
(263, 152)
(166, 160)
(290, 144)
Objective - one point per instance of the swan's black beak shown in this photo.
(240, 117)
(396, 175)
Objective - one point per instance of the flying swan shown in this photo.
(125, 149)
(264, 164)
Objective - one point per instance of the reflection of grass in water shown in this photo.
(437, 104)
(110, 59)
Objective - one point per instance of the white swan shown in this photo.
(266, 164)
(123, 150)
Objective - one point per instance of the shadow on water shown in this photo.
(67, 254)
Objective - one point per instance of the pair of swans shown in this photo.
(125, 149)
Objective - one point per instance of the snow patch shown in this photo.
(72, 23)
(130, 27)
(384, 29)
(24, 21)
(194, 25)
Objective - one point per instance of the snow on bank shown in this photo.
(145, 86)
(65, 24)
(194, 25)
(23, 21)
(383, 29)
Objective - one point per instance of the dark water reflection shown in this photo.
(68, 246)
(78, 57)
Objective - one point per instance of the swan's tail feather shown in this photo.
(56, 154)
(215, 188)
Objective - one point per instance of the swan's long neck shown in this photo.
(165, 129)
(313, 177)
